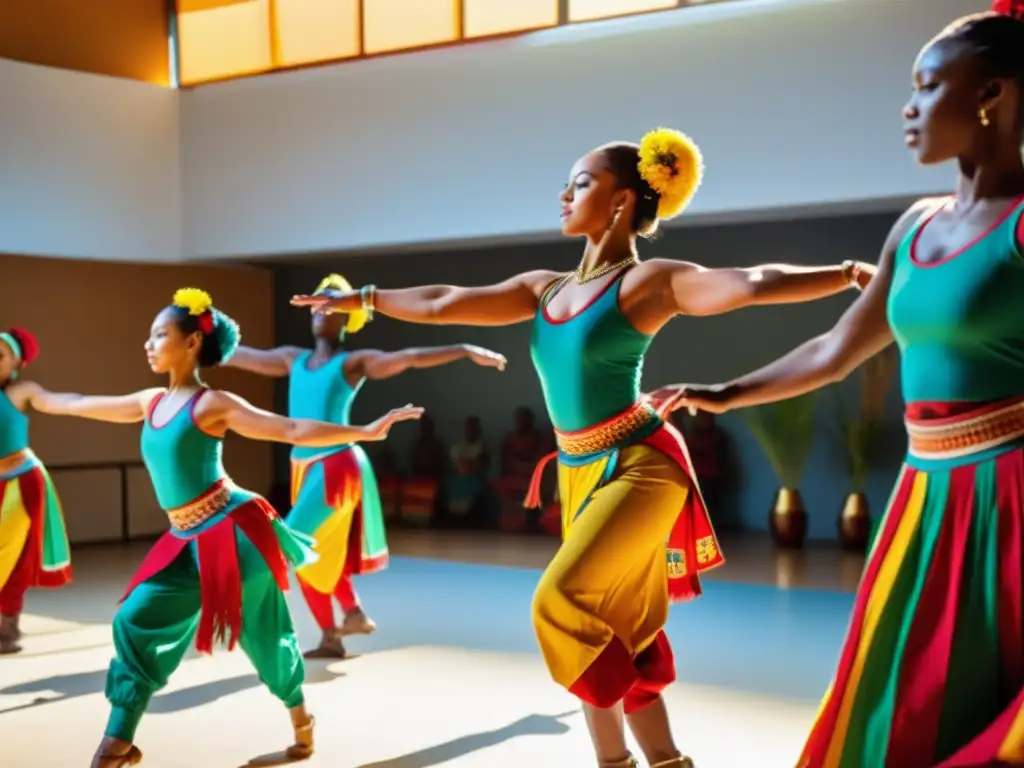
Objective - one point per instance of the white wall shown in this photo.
(795, 102)
(89, 166)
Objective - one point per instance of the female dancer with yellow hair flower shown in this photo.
(219, 573)
(334, 492)
(625, 481)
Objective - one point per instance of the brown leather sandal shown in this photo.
(132, 757)
(627, 762)
(676, 762)
(303, 746)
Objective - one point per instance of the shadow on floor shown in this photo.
(531, 725)
(88, 683)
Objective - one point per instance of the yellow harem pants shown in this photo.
(600, 608)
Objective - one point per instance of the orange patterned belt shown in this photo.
(12, 461)
(608, 434)
(198, 511)
(965, 435)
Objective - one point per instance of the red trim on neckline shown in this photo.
(1000, 220)
(590, 302)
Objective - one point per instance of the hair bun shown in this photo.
(1014, 8)
(226, 334)
(672, 164)
(335, 282)
(28, 343)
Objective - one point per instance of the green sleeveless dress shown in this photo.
(30, 516)
(335, 481)
(932, 669)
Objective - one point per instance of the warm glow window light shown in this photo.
(225, 39)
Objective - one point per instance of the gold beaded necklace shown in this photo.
(582, 277)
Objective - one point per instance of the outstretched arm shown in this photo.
(694, 290)
(275, 362)
(512, 301)
(118, 409)
(375, 364)
(862, 331)
(230, 412)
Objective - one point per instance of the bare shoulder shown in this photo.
(539, 280)
(910, 217)
(20, 393)
(662, 267)
(147, 396)
(219, 401)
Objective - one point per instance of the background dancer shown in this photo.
(334, 492)
(932, 668)
(220, 572)
(625, 483)
(34, 548)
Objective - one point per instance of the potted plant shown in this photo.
(861, 430)
(785, 432)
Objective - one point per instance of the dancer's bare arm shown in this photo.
(221, 412)
(512, 301)
(679, 287)
(276, 362)
(862, 331)
(377, 364)
(118, 409)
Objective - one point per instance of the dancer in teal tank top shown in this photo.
(34, 548)
(219, 573)
(636, 534)
(931, 673)
(334, 491)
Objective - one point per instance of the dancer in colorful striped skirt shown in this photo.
(334, 491)
(625, 481)
(220, 572)
(932, 670)
(34, 548)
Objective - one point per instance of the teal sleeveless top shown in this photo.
(182, 460)
(323, 394)
(959, 322)
(13, 427)
(590, 364)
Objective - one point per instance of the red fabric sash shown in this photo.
(220, 576)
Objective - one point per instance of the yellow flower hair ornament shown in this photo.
(672, 164)
(335, 282)
(198, 303)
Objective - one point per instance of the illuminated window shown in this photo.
(496, 17)
(585, 10)
(218, 40)
(316, 30)
(393, 25)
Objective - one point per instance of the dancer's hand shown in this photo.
(330, 302)
(378, 430)
(712, 398)
(486, 357)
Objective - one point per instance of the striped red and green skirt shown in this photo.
(931, 673)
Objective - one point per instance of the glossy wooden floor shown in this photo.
(452, 677)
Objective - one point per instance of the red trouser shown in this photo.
(320, 604)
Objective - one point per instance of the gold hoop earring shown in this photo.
(983, 117)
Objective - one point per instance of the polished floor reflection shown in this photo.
(452, 677)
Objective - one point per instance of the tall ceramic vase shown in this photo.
(854, 523)
(787, 519)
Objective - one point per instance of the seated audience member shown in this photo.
(468, 478)
(420, 489)
(523, 447)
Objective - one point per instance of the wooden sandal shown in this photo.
(303, 746)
